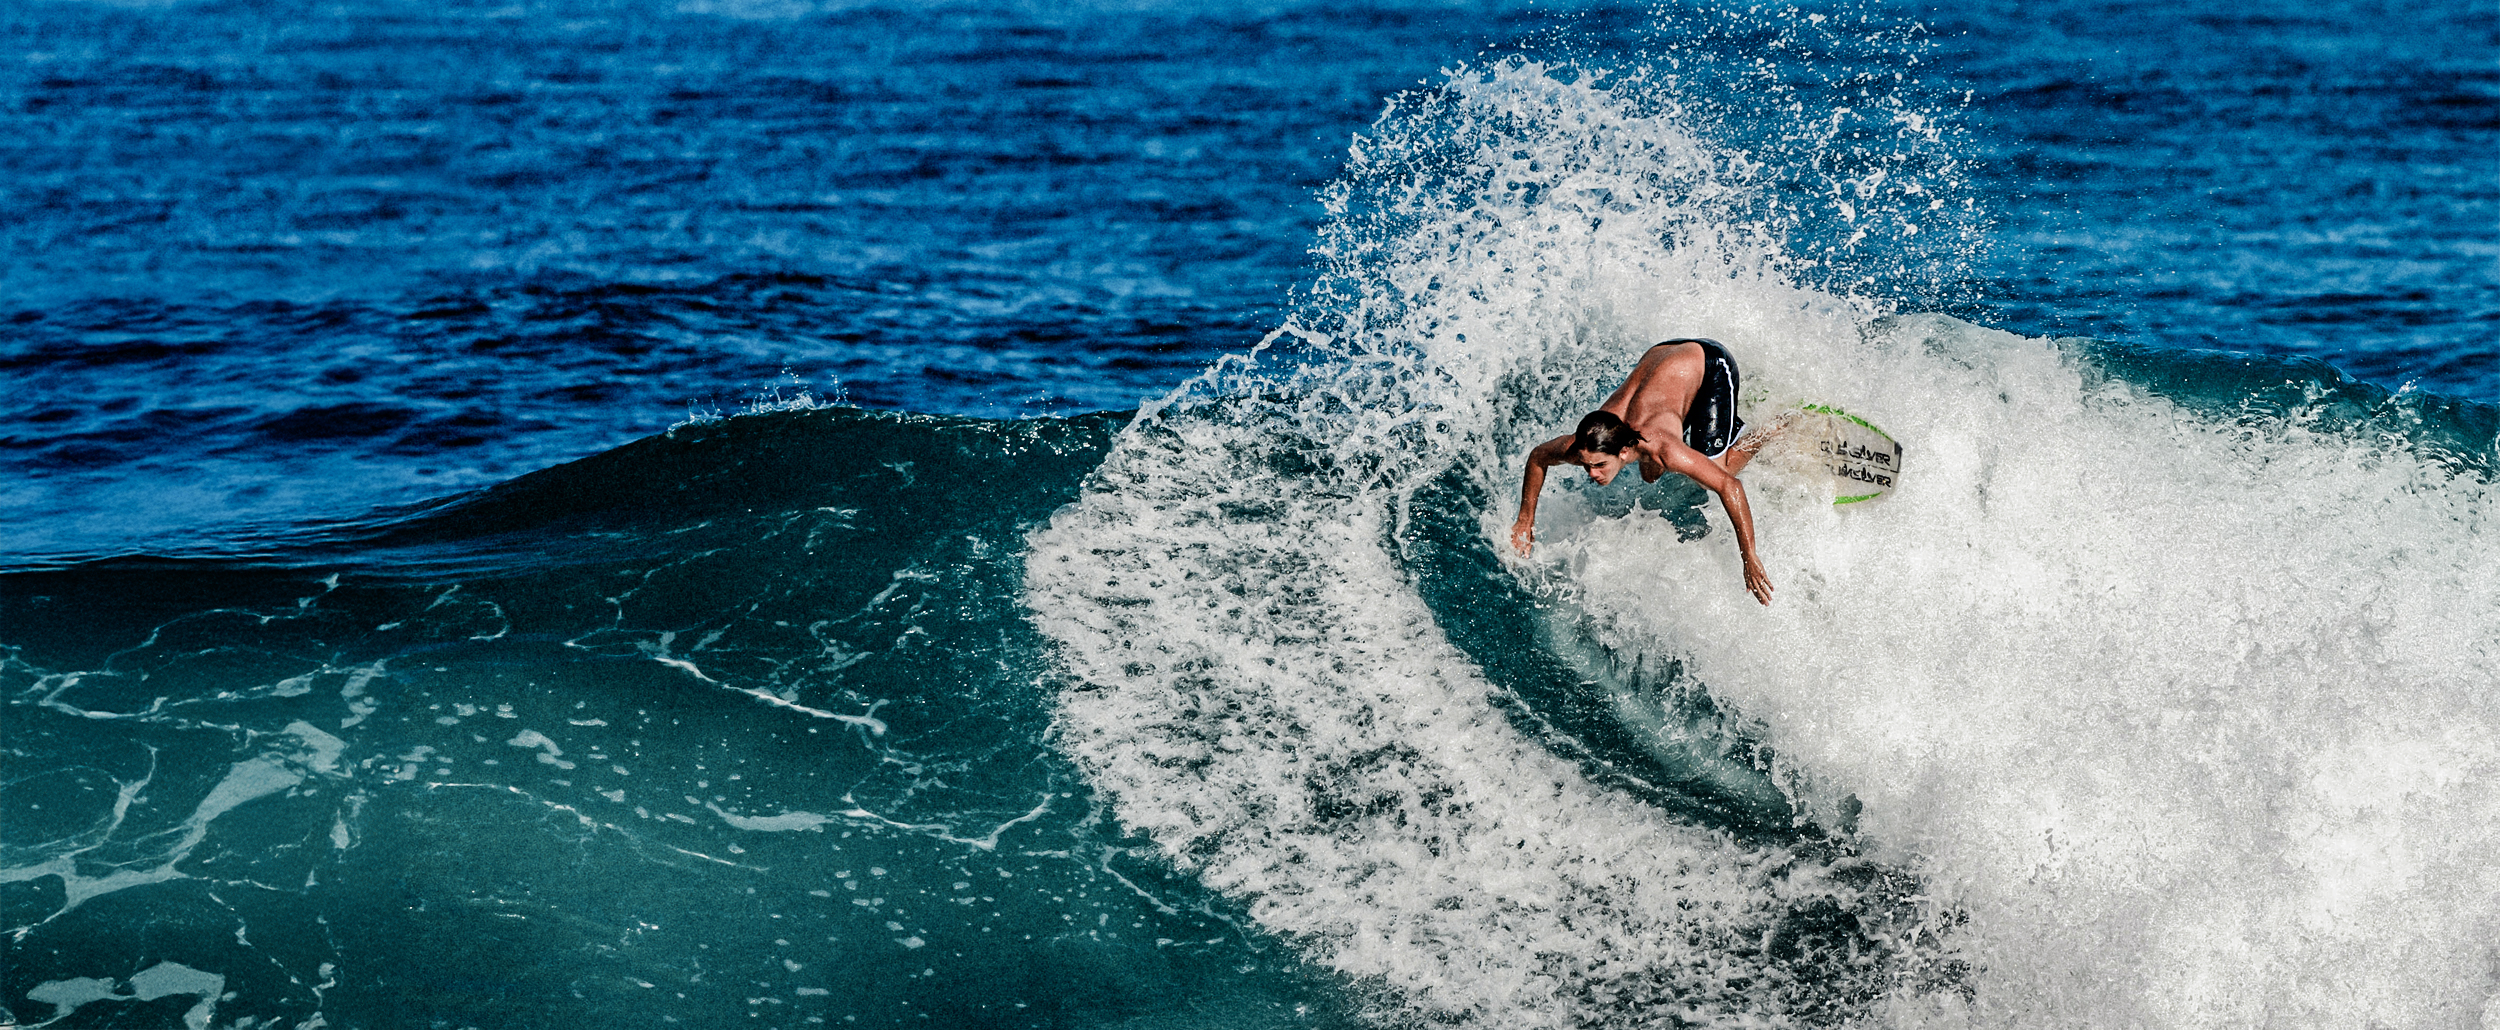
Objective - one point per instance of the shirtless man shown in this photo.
(1675, 413)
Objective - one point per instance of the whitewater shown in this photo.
(2126, 709)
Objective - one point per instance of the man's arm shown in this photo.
(1545, 456)
(1689, 463)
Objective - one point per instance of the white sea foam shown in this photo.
(2135, 698)
(2195, 723)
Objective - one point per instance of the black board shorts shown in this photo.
(1710, 422)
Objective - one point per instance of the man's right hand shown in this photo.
(1523, 536)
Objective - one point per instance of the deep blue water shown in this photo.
(570, 513)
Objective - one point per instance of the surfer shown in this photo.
(1675, 413)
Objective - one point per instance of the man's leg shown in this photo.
(1750, 443)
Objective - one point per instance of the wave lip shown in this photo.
(1259, 688)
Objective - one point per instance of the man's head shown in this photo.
(1599, 444)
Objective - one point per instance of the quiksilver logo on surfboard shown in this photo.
(1862, 474)
(1856, 452)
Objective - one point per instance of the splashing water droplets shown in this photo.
(2118, 711)
(1263, 694)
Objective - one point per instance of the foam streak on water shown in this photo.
(2102, 673)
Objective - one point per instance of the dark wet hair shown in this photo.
(1603, 433)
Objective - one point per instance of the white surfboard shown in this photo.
(1840, 451)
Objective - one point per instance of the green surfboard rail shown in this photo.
(1829, 410)
(1826, 409)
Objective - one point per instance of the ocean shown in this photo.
(777, 513)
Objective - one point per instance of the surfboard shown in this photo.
(1857, 461)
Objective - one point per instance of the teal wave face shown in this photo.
(745, 719)
(1636, 723)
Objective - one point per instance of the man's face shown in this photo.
(1602, 467)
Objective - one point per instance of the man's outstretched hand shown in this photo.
(1523, 536)
(1756, 580)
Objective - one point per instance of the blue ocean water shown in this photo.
(781, 513)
